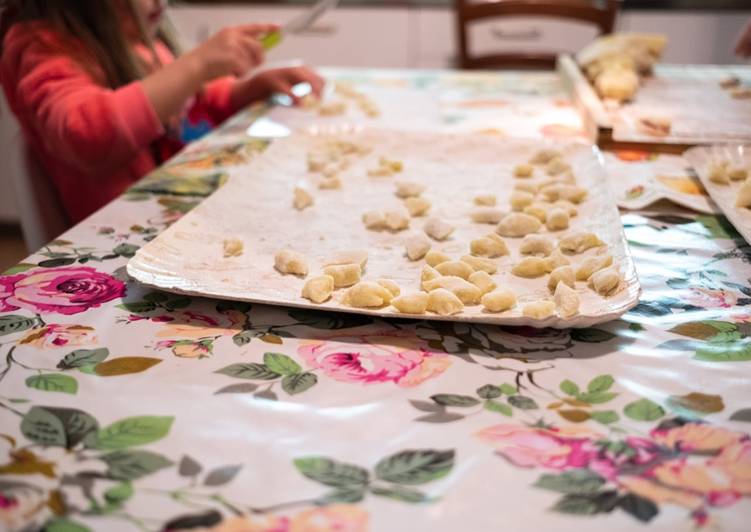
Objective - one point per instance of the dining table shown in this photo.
(127, 408)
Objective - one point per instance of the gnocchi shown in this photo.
(536, 245)
(287, 261)
(416, 246)
(718, 173)
(343, 274)
(434, 258)
(530, 267)
(348, 256)
(486, 215)
(318, 289)
(409, 189)
(737, 173)
(604, 282)
(468, 293)
(232, 247)
(519, 200)
(443, 302)
(301, 198)
(367, 294)
(556, 166)
(414, 303)
(539, 310)
(391, 286)
(579, 242)
(490, 246)
(743, 196)
(565, 204)
(428, 274)
(538, 210)
(530, 187)
(386, 168)
(483, 281)
(566, 300)
(562, 274)
(572, 193)
(523, 170)
(590, 265)
(396, 219)
(417, 206)
(332, 183)
(374, 220)
(499, 300)
(518, 224)
(557, 220)
(456, 268)
(544, 156)
(485, 200)
(555, 260)
(480, 263)
(438, 229)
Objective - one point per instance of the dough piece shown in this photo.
(396, 219)
(558, 219)
(434, 258)
(413, 303)
(654, 126)
(456, 268)
(605, 281)
(233, 247)
(391, 286)
(579, 242)
(386, 168)
(335, 108)
(519, 200)
(417, 206)
(301, 198)
(539, 310)
(443, 302)
(523, 170)
(437, 229)
(591, 265)
(490, 246)
(318, 289)
(348, 256)
(556, 166)
(566, 300)
(416, 246)
(618, 84)
(562, 274)
(743, 197)
(344, 274)
(740, 93)
(428, 274)
(530, 267)
(467, 293)
(367, 294)
(530, 187)
(544, 156)
(565, 204)
(518, 224)
(486, 215)
(291, 262)
(499, 300)
(538, 210)
(480, 264)
(555, 260)
(483, 281)
(737, 173)
(572, 193)
(536, 245)
(332, 183)
(730, 82)
(718, 173)
(374, 220)
(485, 200)
(317, 162)
(409, 189)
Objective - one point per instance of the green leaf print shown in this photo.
(222, 475)
(400, 493)
(130, 432)
(600, 384)
(119, 493)
(83, 357)
(281, 364)
(131, 465)
(64, 525)
(605, 417)
(581, 481)
(591, 335)
(329, 320)
(718, 226)
(569, 387)
(332, 473)
(125, 250)
(19, 268)
(736, 351)
(53, 382)
(501, 408)
(447, 399)
(643, 509)
(58, 427)
(348, 495)
(415, 467)
(644, 410)
(742, 415)
(298, 383)
(243, 338)
(250, 371)
(587, 504)
(489, 391)
(523, 403)
(508, 389)
(595, 398)
(13, 323)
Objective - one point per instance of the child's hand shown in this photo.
(232, 51)
(282, 80)
(743, 47)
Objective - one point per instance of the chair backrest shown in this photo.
(598, 13)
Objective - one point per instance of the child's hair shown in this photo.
(97, 25)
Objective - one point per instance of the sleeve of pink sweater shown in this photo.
(83, 123)
(217, 96)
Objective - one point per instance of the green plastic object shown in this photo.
(270, 40)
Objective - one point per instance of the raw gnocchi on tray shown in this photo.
(457, 227)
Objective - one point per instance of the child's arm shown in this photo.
(743, 46)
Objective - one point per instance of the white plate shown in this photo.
(702, 158)
(255, 206)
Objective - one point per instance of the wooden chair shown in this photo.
(599, 13)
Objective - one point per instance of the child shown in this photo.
(102, 99)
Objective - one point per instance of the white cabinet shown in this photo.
(365, 37)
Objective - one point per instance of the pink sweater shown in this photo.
(93, 142)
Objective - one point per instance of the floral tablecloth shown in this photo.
(128, 409)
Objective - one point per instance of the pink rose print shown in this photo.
(67, 290)
(696, 437)
(707, 298)
(386, 356)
